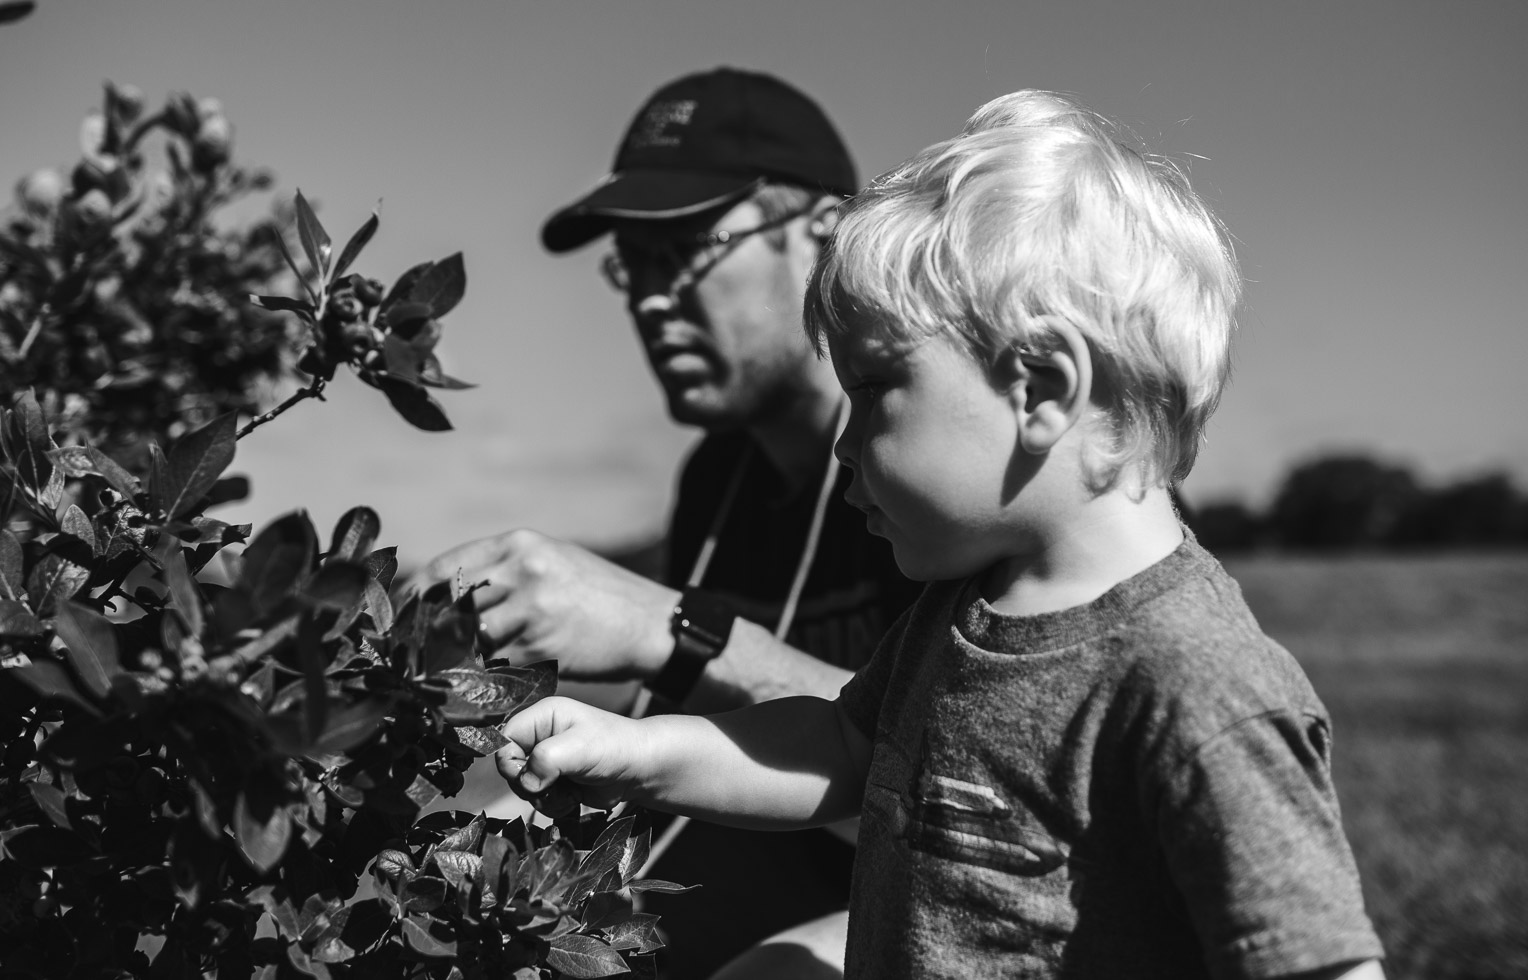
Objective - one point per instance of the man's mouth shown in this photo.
(681, 363)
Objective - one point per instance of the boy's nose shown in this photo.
(845, 445)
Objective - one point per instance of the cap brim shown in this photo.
(641, 195)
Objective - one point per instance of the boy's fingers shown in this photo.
(509, 760)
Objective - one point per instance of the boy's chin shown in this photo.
(921, 566)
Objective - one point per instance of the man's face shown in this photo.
(721, 323)
(932, 444)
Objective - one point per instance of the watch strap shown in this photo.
(701, 625)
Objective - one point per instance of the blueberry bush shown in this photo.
(217, 744)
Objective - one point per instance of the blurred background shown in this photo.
(1366, 155)
(1363, 477)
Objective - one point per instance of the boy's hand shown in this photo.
(563, 752)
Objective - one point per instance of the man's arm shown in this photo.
(548, 599)
(1366, 970)
(784, 764)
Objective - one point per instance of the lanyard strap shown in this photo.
(792, 598)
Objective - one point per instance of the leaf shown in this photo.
(428, 937)
(91, 644)
(441, 286)
(315, 241)
(302, 963)
(281, 245)
(392, 863)
(46, 846)
(451, 636)
(351, 726)
(422, 893)
(337, 585)
(195, 463)
(480, 740)
(12, 570)
(545, 868)
(27, 441)
(273, 899)
(159, 469)
(352, 929)
(54, 578)
(532, 681)
(640, 932)
(17, 620)
(401, 288)
(50, 799)
(405, 319)
(475, 695)
(278, 558)
(79, 461)
(584, 956)
(497, 871)
(431, 374)
(354, 534)
(468, 838)
(75, 523)
(311, 657)
(284, 304)
(658, 885)
(52, 492)
(383, 565)
(185, 596)
(357, 242)
(416, 407)
(458, 867)
(228, 490)
(263, 831)
(379, 606)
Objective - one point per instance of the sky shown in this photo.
(1366, 155)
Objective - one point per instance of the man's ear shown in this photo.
(1050, 385)
(824, 218)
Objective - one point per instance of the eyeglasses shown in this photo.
(681, 260)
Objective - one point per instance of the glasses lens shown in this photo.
(614, 271)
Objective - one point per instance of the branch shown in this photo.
(314, 390)
(33, 331)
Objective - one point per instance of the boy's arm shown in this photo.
(794, 762)
(1253, 838)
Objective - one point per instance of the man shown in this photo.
(723, 187)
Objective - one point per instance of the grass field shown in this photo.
(1423, 663)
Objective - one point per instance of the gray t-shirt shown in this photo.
(1137, 787)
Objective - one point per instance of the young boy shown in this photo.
(1077, 755)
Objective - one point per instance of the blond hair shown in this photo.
(1042, 207)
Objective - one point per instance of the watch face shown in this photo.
(703, 619)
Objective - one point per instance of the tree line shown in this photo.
(1352, 502)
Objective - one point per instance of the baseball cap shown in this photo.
(704, 140)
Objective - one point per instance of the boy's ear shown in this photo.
(1050, 386)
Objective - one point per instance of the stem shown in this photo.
(314, 390)
(33, 331)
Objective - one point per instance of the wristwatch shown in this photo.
(701, 625)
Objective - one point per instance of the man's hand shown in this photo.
(563, 752)
(548, 599)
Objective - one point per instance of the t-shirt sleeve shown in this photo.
(861, 697)
(1253, 839)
